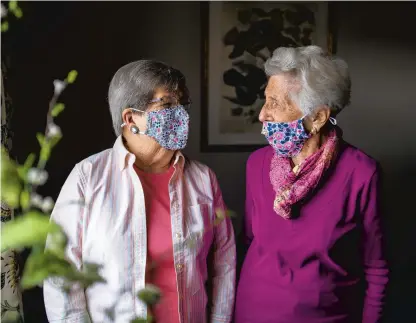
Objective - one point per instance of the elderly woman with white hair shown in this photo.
(150, 215)
(312, 205)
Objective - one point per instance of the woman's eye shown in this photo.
(270, 103)
(274, 103)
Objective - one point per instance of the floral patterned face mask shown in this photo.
(169, 127)
(287, 138)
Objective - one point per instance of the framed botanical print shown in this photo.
(237, 39)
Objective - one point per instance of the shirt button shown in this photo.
(177, 235)
(179, 266)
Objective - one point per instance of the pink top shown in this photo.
(160, 264)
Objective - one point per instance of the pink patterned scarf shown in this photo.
(292, 187)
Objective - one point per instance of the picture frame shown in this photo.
(236, 39)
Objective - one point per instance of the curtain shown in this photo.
(11, 296)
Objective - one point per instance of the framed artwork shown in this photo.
(237, 39)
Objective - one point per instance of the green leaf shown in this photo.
(10, 195)
(4, 26)
(41, 265)
(33, 274)
(90, 274)
(220, 215)
(45, 152)
(11, 185)
(149, 295)
(13, 5)
(30, 160)
(141, 320)
(72, 76)
(23, 169)
(57, 109)
(41, 138)
(57, 243)
(24, 199)
(18, 13)
(12, 316)
(54, 140)
(28, 230)
(231, 214)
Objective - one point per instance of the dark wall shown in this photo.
(96, 38)
(379, 43)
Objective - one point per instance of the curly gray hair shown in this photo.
(322, 79)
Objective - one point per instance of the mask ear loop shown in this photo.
(332, 120)
(135, 129)
(156, 100)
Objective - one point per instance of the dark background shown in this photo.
(377, 39)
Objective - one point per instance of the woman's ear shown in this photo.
(321, 117)
(127, 117)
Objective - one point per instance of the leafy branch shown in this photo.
(13, 8)
(19, 185)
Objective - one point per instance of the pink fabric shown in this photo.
(160, 270)
(291, 188)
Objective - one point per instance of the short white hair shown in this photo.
(322, 79)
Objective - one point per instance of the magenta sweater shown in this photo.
(327, 264)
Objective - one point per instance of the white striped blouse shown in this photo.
(109, 228)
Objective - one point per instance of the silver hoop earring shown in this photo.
(134, 130)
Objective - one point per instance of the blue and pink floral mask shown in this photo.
(169, 127)
(287, 138)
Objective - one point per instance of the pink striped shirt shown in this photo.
(111, 230)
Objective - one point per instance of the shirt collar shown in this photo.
(126, 158)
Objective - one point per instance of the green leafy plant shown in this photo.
(14, 9)
(30, 229)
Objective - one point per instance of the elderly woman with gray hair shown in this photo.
(150, 215)
(312, 205)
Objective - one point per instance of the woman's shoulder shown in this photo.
(96, 161)
(357, 160)
(198, 175)
(259, 157)
(193, 166)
